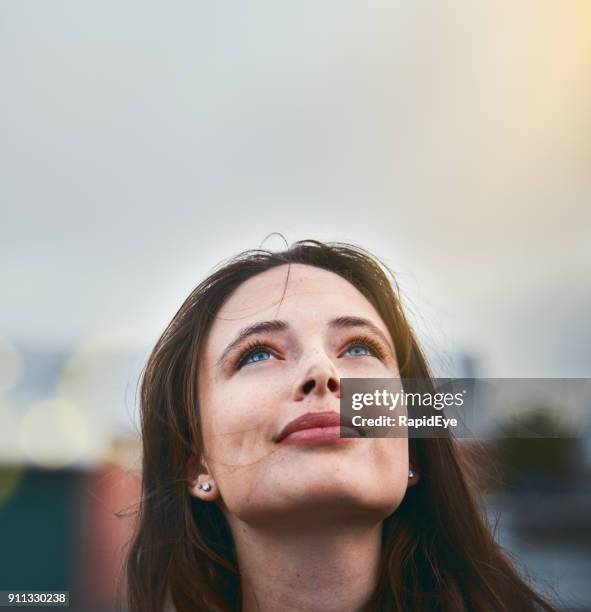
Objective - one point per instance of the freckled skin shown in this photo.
(242, 410)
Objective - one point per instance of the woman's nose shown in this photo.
(320, 378)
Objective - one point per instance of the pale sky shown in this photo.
(141, 143)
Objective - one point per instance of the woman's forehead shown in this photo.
(288, 289)
(313, 296)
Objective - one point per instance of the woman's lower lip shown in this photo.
(319, 435)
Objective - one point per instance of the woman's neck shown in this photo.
(327, 567)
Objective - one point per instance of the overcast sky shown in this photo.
(141, 143)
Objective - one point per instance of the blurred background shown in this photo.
(142, 143)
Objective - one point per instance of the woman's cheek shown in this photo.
(364, 368)
(248, 411)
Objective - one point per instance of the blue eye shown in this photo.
(253, 354)
(355, 351)
(256, 356)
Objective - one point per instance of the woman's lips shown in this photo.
(318, 435)
(316, 428)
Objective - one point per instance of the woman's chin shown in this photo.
(328, 506)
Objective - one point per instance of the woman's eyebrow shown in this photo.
(260, 327)
(276, 325)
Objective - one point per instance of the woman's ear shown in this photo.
(200, 482)
(414, 475)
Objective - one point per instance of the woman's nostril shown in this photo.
(331, 384)
(309, 386)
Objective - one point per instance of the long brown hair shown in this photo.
(437, 550)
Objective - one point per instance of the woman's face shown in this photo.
(254, 382)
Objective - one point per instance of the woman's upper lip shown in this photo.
(310, 420)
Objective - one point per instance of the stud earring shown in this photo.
(411, 473)
(205, 487)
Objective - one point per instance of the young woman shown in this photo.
(252, 501)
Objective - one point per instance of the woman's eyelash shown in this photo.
(252, 347)
(255, 346)
(369, 343)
